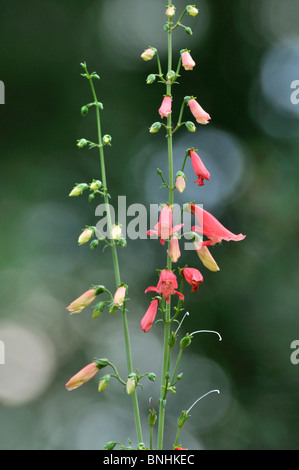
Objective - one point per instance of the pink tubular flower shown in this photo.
(166, 286)
(193, 276)
(83, 301)
(187, 61)
(200, 115)
(212, 228)
(165, 108)
(199, 168)
(163, 228)
(174, 249)
(84, 375)
(149, 317)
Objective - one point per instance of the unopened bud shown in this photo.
(104, 382)
(119, 296)
(155, 127)
(85, 236)
(78, 189)
(98, 309)
(95, 185)
(152, 376)
(150, 79)
(180, 182)
(116, 232)
(94, 244)
(170, 75)
(188, 30)
(190, 126)
(131, 383)
(81, 143)
(110, 445)
(152, 417)
(192, 10)
(172, 340)
(170, 11)
(107, 139)
(84, 110)
(122, 242)
(148, 54)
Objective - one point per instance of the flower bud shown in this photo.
(172, 340)
(122, 242)
(116, 232)
(94, 244)
(131, 383)
(95, 185)
(190, 126)
(150, 79)
(98, 309)
(81, 302)
(83, 376)
(188, 30)
(192, 10)
(84, 110)
(174, 249)
(148, 54)
(107, 139)
(180, 182)
(78, 189)
(170, 11)
(119, 296)
(152, 377)
(155, 127)
(81, 143)
(104, 382)
(85, 236)
(110, 445)
(170, 75)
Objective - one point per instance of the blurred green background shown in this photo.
(247, 55)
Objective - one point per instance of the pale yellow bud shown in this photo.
(206, 258)
(170, 11)
(130, 385)
(116, 232)
(85, 236)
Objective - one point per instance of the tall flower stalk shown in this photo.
(169, 295)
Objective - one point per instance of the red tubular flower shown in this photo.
(200, 115)
(149, 317)
(166, 286)
(165, 108)
(199, 168)
(163, 228)
(212, 228)
(193, 276)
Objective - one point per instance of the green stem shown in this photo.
(115, 262)
(176, 366)
(166, 356)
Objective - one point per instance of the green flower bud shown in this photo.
(91, 197)
(155, 127)
(110, 445)
(150, 79)
(104, 382)
(122, 242)
(152, 376)
(98, 309)
(170, 75)
(188, 30)
(190, 126)
(152, 417)
(81, 143)
(94, 244)
(107, 139)
(84, 110)
(172, 340)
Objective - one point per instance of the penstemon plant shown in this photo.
(169, 296)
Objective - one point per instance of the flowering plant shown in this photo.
(169, 297)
